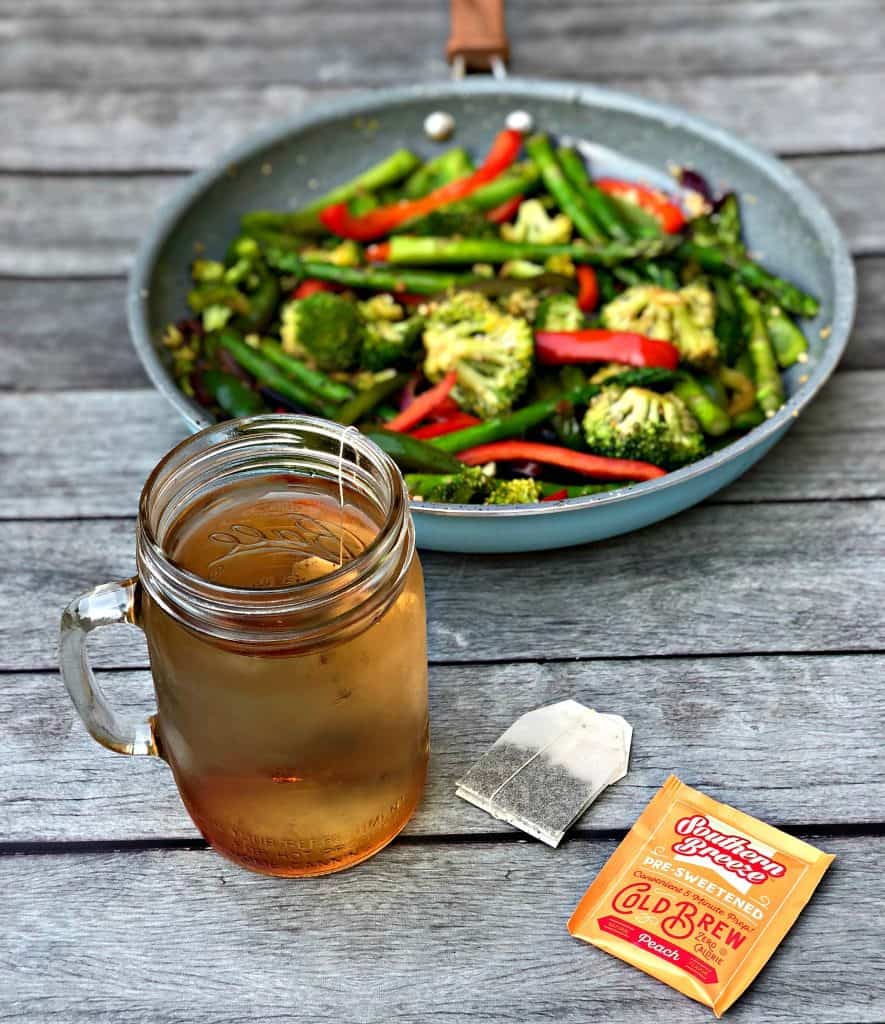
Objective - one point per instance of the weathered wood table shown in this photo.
(744, 639)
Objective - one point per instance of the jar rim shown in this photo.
(178, 589)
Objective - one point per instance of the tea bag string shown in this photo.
(537, 753)
(356, 456)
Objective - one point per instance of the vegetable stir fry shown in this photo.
(510, 333)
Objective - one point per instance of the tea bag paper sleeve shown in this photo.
(548, 767)
(699, 895)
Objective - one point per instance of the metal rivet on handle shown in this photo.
(520, 121)
(439, 126)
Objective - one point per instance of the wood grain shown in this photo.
(420, 932)
(53, 225)
(137, 129)
(796, 749)
(178, 47)
(49, 483)
(797, 577)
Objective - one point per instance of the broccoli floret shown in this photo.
(635, 423)
(345, 254)
(514, 492)
(389, 337)
(559, 312)
(685, 317)
(491, 352)
(534, 224)
(323, 329)
(388, 344)
(467, 485)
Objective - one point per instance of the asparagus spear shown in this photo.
(307, 221)
(441, 250)
(382, 279)
(539, 149)
(722, 260)
(599, 204)
(769, 389)
(788, 342)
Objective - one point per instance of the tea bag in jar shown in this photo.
(548, 767)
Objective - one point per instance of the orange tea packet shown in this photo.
(699, 895)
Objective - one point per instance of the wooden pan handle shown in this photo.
(478, 33)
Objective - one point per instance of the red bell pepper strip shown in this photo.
(310, 286)
(381, 221)
(599, 466)
(588, 288)
(556, 495)
(596, 345)
(447, 407)
(506, 211)
(425, 404)
(668, 213)
(378, 252)
(458, 421)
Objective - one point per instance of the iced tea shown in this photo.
(294, 762)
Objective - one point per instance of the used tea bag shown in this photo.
(548, 767)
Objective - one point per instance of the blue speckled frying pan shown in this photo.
(785, 222)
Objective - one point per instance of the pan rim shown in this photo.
(525, 89)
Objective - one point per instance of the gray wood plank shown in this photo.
(420, 933)
(796, 749)
(66, 333)
(809, 463)
(797, 577)
(53, 225)
(135, 129)
(179, 47)
(89, 347)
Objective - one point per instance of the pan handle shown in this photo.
(478, 38)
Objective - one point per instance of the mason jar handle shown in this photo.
(107, 605)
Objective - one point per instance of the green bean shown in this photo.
(267, 373)
(314, 380)
(411, 454)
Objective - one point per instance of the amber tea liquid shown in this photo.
(301, 761)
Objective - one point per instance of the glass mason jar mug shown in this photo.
(283, 604)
